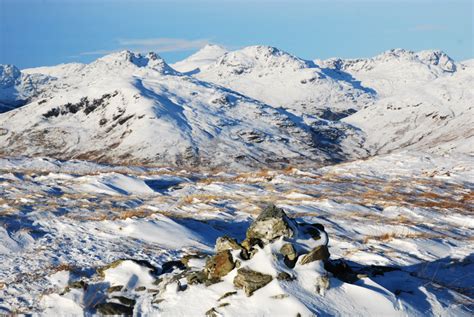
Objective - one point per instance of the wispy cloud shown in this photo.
(428, 27)
(159, 45)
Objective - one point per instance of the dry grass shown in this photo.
(389, 236)
(199, 198)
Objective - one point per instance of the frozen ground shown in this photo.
(64, 220)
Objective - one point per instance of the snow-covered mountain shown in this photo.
(206, 56)
(399, 99)
(127, 107)
(424, 101)
(283, 80)
(394, 69)
(254, 106)
(16, 87)
(388, 235)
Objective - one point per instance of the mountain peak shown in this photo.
(261, 56)
(437, 58)
(126, 58)
(212, 48)
(206, 56)
(427, 57)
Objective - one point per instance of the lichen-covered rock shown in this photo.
(219, 265)
(196, 277)
(251, 280)
(271, 224)
(284, 276)
(226, 243)
(318, 253)
(290, 255)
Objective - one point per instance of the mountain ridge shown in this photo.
(255, 106)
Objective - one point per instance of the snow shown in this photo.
(128, 158)
(357, 202)
(206, 56)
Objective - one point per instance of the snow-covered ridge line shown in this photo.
(255, 106)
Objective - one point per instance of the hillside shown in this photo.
(132, 108)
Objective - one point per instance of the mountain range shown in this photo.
(256, 106)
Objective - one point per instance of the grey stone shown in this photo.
(251, 280)
(290, 255)
(318, 253)
(271, 224)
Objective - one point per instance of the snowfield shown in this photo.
(238, 183)
(408, 214)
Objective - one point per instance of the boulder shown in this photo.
(114, 309)
(251, 280)
(318, 253)
(219, 265)
(271, 224)
(226, 243)
(290, 255)
(196, 277)
(283, 276)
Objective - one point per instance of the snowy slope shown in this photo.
(281, 79)
(399, 99)
(206, 56)
(403, 221)
(254, 106)
(424, 101)
(395, 69)
(58, 71)
(126, 107)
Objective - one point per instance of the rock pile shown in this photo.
(276, 250)
(296, 244)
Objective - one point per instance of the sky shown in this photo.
(48, 32)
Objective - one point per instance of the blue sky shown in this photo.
(48, 32)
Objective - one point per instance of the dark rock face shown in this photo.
(114, 309)
(317, 254)
(271, 224)
(84, 104)
(250, 280)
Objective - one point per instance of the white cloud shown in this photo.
(159, 45)
(163, 44)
